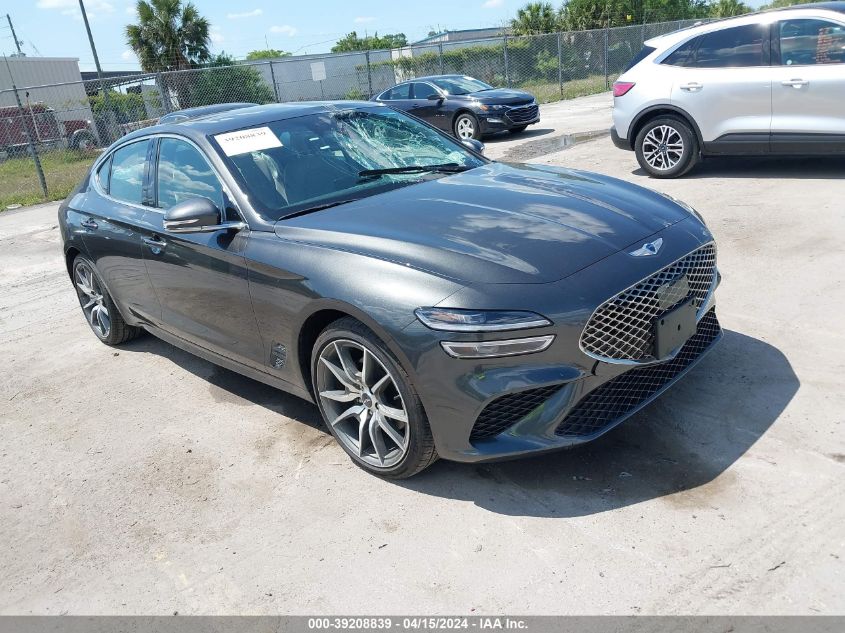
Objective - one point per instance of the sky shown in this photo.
(54, 28)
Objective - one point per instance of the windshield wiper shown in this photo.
(317, 207)
(446, 168)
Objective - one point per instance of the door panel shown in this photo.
(111, 232)
(432, 112)
(808, 90)
(199, 278)
(724, 81)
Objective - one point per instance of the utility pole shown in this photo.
(14, 36)
(32, 151)
(97, 64)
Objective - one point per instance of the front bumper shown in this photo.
(492, 409)
(514, 118)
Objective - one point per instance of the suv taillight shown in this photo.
(621, 88)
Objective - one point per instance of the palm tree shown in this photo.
(535, 18)
(169, 35)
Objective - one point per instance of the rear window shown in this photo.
(645, 52)
(684, 54)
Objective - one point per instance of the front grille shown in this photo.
(622, 328)
(621, 395)
(523, 114)
(506, 411)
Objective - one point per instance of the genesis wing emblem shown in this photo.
(649, 248)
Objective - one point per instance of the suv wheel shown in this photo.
(666, 147)
(368, 402)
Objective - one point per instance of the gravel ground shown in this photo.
(144, 480)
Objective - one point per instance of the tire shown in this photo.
(83, 140)
(355, 414)
(666, 147)
(518, 130)
(466, 126)
(96, 304)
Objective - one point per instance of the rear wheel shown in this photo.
(666, 147)
(368, 402)
(466, 126)
(98, 307)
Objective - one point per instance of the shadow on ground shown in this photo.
(230, 387)
(808, 168)
(528, 134)
(685, 440)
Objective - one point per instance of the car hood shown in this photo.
(502, 96)
(498, 223)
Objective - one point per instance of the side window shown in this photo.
(127, 172)
(402, 91)
(740, 46)
(810, 41)
(423, 91)
(103, 174)
(684, 54)
(184, 173)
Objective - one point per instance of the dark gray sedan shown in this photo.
(463, 106)
(429, 301)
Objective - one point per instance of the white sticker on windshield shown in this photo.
(244, 141)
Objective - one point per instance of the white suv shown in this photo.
(765, 83)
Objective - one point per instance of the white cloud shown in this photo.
(284, 29)
(215, 36)
(128, 56)
(246, 14)
(71, 7)
(364, 19)
(492, 4)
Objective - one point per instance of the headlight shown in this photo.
(686, 207)
(493, 349)
(492, 108)
(457, 320)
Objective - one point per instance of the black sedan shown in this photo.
(429, 301)
(463, 106)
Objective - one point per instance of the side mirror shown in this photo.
(195, 215)
(435, 97)
(474, 145)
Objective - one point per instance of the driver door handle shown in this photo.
(795, 83)
(155, 243)
(692, 86)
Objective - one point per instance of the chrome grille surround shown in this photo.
(621, 331)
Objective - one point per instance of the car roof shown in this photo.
(814, 8)
(240, 118)
(432, 77)
(201, 111)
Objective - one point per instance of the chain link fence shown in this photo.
(50, 134)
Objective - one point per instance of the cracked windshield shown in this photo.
(304, 164)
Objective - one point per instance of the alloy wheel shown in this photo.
(663, 147)
(362, 403)
(91, 299)
(465, 128)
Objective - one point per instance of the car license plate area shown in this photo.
(673, 329)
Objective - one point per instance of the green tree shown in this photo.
(535, 18)
(728, 8)
(169, 35)
(225, 81)
(351, 42)
(579, 15)
(777, 4)
(269, 53)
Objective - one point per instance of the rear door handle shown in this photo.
(155, 243)
(692, 86)
(90, 224)
(795, 83)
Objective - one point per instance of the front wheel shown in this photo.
(98, 307)
(466, 126)
(368, 402)
(666, 147)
